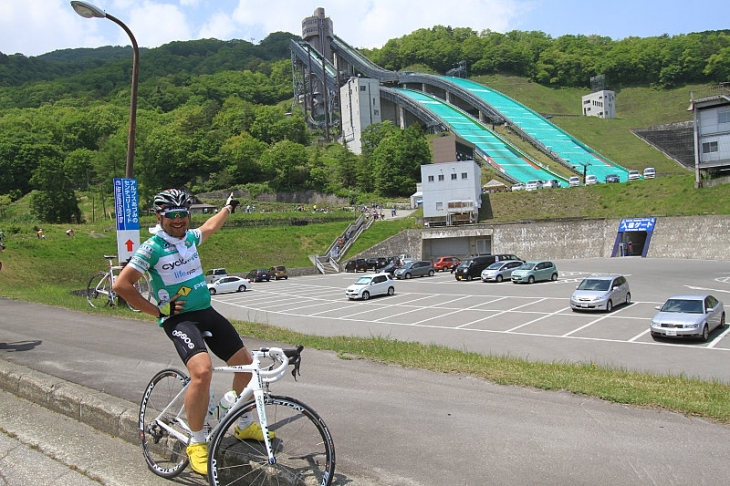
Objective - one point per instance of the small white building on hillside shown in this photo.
(600, 103)
(451, 192)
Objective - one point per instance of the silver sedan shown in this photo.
(688, 316)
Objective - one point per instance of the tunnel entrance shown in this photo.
(633, 237)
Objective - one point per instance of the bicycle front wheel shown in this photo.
(303, 448)
(162, 409)
(145, 290)
(99, 292)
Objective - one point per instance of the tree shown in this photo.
(242, 154)
(397, 162)
(285, 165)
(54, 200)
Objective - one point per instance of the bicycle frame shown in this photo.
(256, 388)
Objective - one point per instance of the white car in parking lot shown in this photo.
(601, 292)
(229, 284)
(591, 180)
(371, 285)
(533, 185)
(634, 175)
(574, 181)
(688, 316)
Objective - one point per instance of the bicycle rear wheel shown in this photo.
(144, 288)
(99, 292)
(303, 448)
(162, 403)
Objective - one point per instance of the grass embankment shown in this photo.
(664, 196)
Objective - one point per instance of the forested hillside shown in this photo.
(567, 61)
(218, 114)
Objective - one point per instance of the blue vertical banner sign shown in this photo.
(126, 211)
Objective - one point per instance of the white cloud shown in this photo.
(154, 24)
(219, 26)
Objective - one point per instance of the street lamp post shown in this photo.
(88, 11)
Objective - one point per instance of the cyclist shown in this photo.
(178, 283)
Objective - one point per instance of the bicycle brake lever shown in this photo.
(295, 371)
(297, 355)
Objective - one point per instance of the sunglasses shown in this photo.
(176, 213)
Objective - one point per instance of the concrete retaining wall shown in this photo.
(694, 237)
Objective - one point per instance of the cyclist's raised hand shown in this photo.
(232, 202)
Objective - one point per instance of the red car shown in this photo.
(445, 263)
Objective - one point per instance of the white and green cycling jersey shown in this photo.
(172, 273)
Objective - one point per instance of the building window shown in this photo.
(441, 177)
(708, 147)
(439, 206)
(363, 88)
(464, 175)
(453, 177)
(430, 178)
(723, 116)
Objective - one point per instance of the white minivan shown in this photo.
(649, 173)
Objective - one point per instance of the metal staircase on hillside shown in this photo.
(329, 263)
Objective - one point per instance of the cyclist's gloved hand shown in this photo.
(171, 307)
(232, 202)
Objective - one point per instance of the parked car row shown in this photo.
(535, 184)
(590, 179)
(376, 264)
(472, 267)
(219, 281)
(681, 316)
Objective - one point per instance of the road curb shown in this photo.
(112, 415)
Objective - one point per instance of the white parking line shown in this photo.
(606, 316)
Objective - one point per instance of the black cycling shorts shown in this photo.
(186, 331)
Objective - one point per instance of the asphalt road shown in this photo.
(395, 426)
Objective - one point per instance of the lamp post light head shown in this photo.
(88, 10)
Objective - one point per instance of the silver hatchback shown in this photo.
(499, 271)
(415, 269)
(601, 292)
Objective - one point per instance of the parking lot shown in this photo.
(532, 322)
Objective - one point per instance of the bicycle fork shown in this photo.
(259, 396)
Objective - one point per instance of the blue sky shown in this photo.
(34, 27)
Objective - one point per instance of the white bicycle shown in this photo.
(99, 291)
(301, 454)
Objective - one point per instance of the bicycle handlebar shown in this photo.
(275, 372)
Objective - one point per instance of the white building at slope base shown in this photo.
(451, 192)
